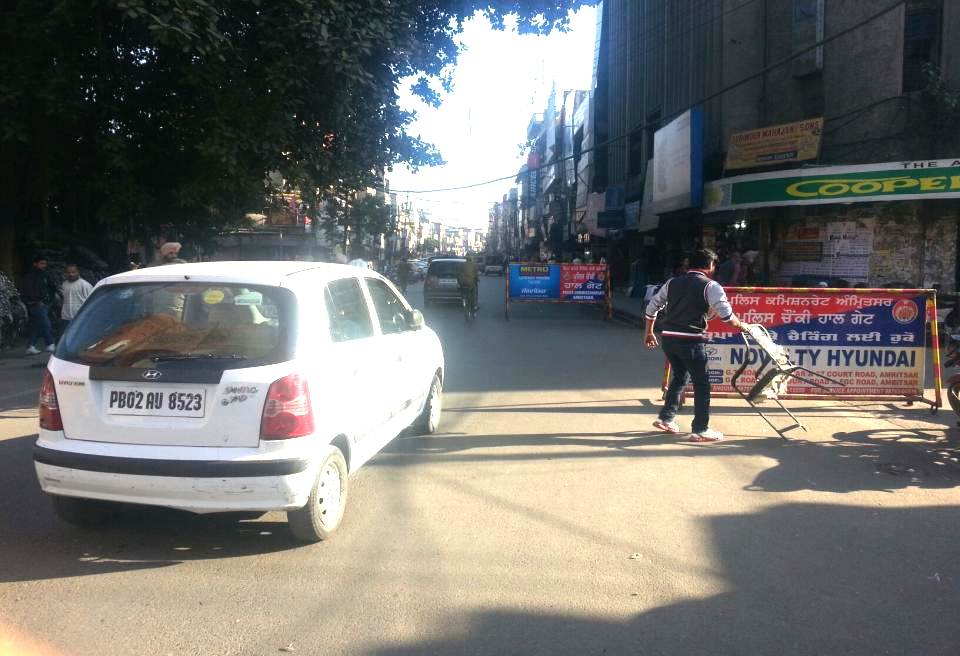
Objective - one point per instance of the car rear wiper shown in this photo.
(195, 356)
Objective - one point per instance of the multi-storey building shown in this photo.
(823, 136)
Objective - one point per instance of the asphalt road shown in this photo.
(546, 518)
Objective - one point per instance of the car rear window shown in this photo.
(138, 325)
(445, 267)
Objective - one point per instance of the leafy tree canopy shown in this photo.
(136, 114)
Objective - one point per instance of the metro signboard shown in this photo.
(836, 184)
(558, 283)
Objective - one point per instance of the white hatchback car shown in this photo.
(233, 386)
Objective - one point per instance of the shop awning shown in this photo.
(865, 183)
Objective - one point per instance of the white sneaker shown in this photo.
(667, 426)
(33, 350)
(51, 348)
(708, 435)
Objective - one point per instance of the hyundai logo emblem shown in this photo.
(152, 374)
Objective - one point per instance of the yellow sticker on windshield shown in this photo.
(213, 296)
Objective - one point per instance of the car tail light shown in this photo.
(49, 407)
(287, 412)
(430, 281)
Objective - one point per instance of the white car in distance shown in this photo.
(233, 386)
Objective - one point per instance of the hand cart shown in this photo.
(770, 380)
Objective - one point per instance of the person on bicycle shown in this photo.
(468, 278)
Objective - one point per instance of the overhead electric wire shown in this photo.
(764, 71)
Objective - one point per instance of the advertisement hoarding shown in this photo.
(776, 144)
(873, 341)
(534, 281)
(558, 283)
(678, 163)
(583, 282)
(836, 184)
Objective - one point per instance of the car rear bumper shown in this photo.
(193, 485)
(437, 294)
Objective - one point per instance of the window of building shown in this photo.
(635, 153)
(921, 41)
(807, 29)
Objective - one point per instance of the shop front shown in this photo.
(888, 224)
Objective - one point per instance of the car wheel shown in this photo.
(321, 516)
(85, 513)
(429, 420)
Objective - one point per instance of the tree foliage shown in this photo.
(123, 116)
(367, 216)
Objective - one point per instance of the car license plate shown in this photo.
(153, 402)
(448, 281)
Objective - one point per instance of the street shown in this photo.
(546, 517)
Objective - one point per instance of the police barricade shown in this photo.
(585, 284)
(872, 340)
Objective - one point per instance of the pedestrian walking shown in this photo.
(170, 254)
(75, 291)
(38, 292)
(403, 275)
(687, 300)
(729, 273)
(682, 267)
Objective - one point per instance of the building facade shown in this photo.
(786, 92)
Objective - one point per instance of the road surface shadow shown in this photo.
(36, 545)
(865, 460)
(799, 579)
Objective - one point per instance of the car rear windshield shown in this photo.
(445, 268)
(139, 325)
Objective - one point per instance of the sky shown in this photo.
(501, 79)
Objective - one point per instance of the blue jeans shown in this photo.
(688, 361)
(40, 324)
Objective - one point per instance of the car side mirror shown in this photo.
(415, 320)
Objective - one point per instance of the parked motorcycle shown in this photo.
(953, 383)
(13, 313)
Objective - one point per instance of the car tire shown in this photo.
(323, 513)
(429, 420)
(83, 513)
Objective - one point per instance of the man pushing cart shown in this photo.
(687, 301)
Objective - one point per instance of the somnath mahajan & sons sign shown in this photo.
(833, 184)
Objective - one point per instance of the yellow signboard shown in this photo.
(790, 142)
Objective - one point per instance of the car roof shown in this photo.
(448, 259)
(269, 273)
